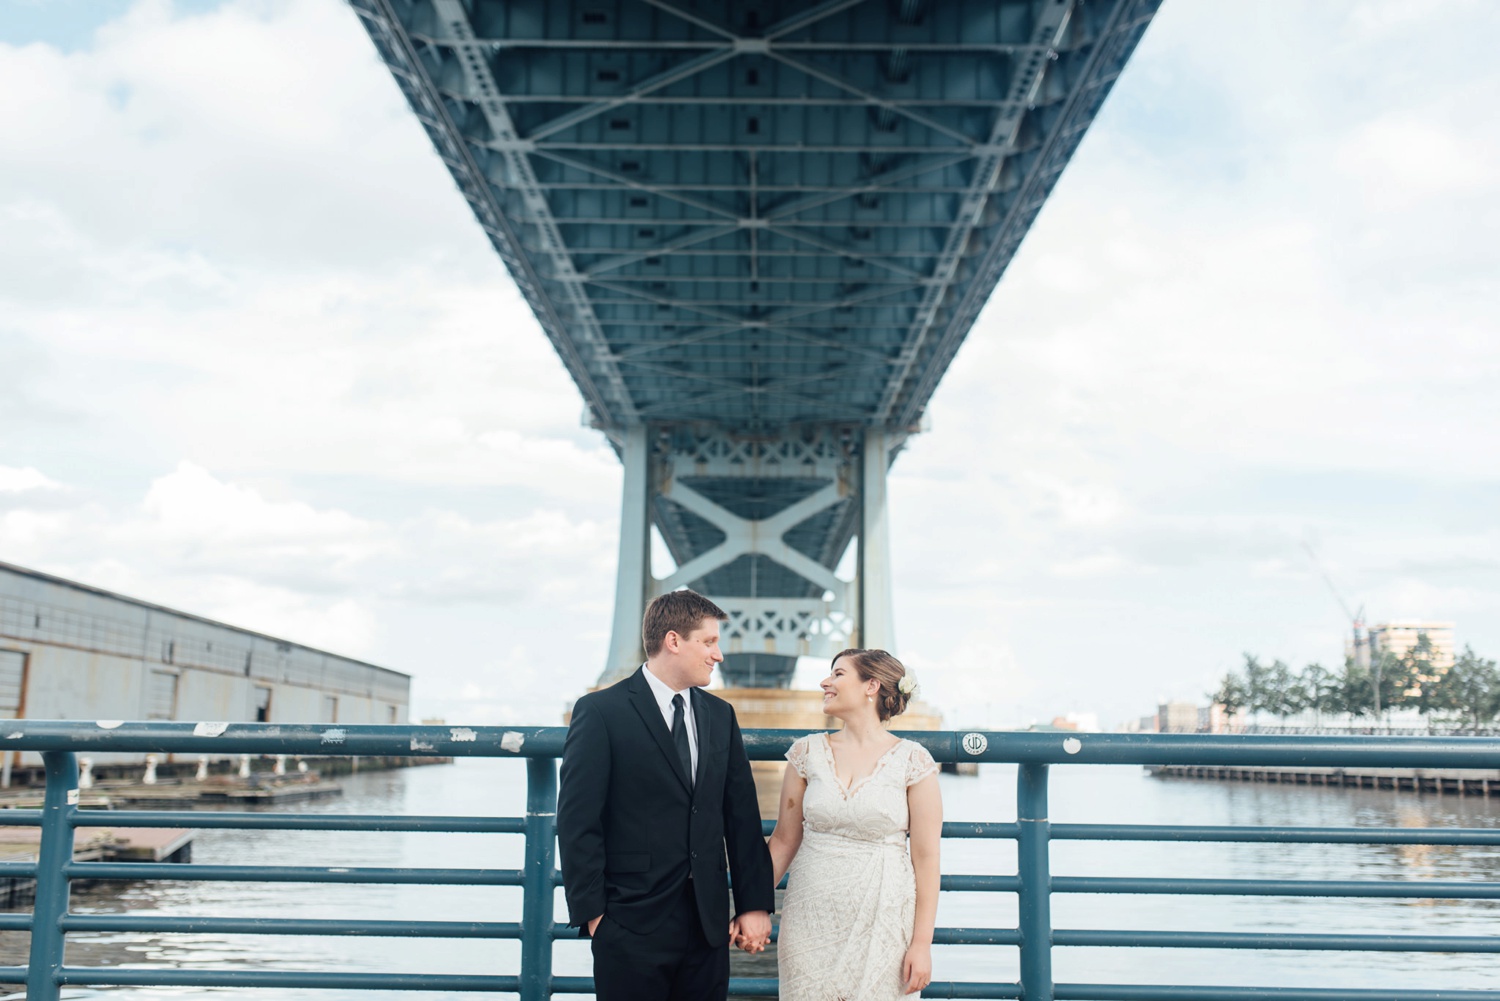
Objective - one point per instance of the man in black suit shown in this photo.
(655, 786)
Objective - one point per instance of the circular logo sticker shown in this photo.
(975, 743)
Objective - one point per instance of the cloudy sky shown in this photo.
(259, 363)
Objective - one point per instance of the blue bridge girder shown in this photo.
(768, 221)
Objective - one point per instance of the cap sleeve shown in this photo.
(919, 764)
(797, 755)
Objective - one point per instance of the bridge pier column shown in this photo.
(759, 525)
(633, 577)
(877, 627)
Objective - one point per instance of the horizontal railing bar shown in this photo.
(12, 974)
(1152, 992)
(115, 977)
(17, 870)
(416, 740)
(981, 884)
(951, 829)
(15, 922)
(20, 818)
(288, 873)
(1410, 889)
(1274, 940)
(1278, 835)
(940, 936)
(297, 821)
(976, 936)
(291, 926)
(765, 987)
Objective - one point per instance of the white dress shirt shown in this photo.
(664, 693)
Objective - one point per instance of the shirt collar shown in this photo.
(663, 691)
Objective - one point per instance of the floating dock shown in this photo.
(1452, 781)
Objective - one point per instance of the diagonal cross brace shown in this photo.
(743, 536)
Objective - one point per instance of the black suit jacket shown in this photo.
(631, 827)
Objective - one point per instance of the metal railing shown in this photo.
(1034, 883)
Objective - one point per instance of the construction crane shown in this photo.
(1356, 620)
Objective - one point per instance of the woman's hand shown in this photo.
(916, 968)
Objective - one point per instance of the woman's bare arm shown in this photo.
(787, 837)
(925, 803)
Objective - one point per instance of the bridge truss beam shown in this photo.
(760, 225)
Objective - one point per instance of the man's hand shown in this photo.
(751, 931)
(594, 924)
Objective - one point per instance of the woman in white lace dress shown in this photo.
(857, 919)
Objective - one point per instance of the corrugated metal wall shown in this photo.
(68, 651)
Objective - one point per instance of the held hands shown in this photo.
(916, 967)
(751, 931)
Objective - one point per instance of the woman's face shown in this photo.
(844, 691)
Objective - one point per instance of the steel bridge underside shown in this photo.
(757, 232)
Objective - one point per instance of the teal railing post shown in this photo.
(537, 885)
(53, 858)
(1035, 871)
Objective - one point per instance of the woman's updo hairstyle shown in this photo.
(877, 665)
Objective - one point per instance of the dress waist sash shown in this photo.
(896, 839)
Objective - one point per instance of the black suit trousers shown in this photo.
(672, 962)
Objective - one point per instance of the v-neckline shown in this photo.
(855, 785)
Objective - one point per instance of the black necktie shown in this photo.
(679, 737)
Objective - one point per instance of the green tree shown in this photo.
(1320, 690)
(1258, 696)
(1470, 688)
(1395, 678)
(1231, 693)
(1278, 684)
(1353, 693)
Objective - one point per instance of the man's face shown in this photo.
(698, 652)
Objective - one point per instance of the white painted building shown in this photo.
(69, 651)
(1400, 635)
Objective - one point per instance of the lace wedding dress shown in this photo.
(846, 920)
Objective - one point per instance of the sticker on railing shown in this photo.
(975, 743)
(210, 729)
(72, 797)
(511, 741)
(418, 744)
(462, 734)
(335, 735)
(109, 724)
(1072, 745)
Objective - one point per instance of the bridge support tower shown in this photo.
(759, 525)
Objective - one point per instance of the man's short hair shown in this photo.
(677, 612)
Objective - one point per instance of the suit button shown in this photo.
(695, 809)
(694, 854)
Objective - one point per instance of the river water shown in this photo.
(1080, 794)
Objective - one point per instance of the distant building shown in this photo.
(69, 651)
(1085, 722)
(1177, 717)
(1215, 718)
(1398, 636)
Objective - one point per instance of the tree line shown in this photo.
(1468, 693)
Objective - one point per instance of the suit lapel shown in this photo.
(650, 712)
(701, 724)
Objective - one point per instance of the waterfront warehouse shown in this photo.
(70, 651)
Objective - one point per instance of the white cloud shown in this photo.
(267, 368)
(16, 481)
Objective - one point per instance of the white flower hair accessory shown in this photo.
(907, 685)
